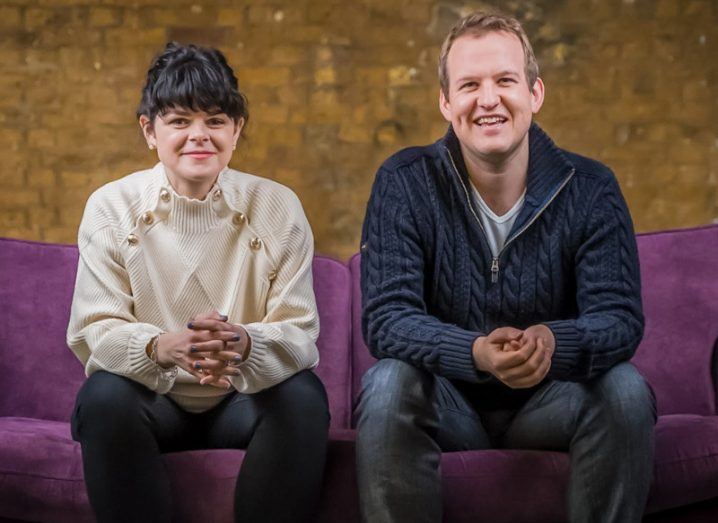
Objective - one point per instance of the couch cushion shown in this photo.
(332, 286)
(686, 468)
(41, 477)
(679, 273)
(40, 375)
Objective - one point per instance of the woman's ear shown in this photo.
(238, 125)
(148, 131)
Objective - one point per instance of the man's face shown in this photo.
(490, 104)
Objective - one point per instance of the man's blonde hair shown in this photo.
(478, 24)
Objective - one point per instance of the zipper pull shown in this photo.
(494, 270)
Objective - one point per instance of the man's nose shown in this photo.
(488, 96)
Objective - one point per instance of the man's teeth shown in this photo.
(490, 120)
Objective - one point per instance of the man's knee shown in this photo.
(392, 385)
(626, 397)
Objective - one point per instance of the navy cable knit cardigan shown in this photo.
(430, 285)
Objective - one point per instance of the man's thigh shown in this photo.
(550, 418)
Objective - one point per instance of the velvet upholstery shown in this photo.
(41, 469)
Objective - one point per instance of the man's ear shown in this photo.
(537, 95)
(148, 131)
(444, 106)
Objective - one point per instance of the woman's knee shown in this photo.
(108, 399)
(302, 396)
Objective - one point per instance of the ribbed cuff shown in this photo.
(457, 361)
(567, 353)
(142, 366)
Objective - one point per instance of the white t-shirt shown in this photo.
(497, 228)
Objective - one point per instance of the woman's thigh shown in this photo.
(112, 405)
(298, 403)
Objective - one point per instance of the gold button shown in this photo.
(239, 218)
(148, 218)
(217, 194)
(164, 195)
(132, 239)
(272, 275)
(255, 243)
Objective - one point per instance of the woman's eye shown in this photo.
(216, 121)
(178, 121)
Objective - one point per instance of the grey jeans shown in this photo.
(407, 416)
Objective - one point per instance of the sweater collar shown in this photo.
(548, 171)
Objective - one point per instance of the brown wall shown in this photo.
(336, 86)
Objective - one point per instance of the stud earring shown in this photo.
(234, 147)
(151, 146)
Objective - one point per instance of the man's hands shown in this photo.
(519, 359)
(208, 348)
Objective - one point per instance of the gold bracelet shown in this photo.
(153, 348)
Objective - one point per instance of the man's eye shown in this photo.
(468, 85)
(507, 80)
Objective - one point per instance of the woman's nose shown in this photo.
(198, 132)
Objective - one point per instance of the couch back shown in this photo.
(678, 354)
(40, 376)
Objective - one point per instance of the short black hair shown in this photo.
(191, 77)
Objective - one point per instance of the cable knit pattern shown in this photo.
(570, 262)
(151, 259)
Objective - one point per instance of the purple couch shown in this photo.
(40, 466)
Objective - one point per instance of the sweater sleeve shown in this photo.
(103, 332)
(395, 320)
(284, 342)
(609, 325)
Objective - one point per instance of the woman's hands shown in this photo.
(209, 348)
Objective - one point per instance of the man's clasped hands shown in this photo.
(518, 358)
(209, 348)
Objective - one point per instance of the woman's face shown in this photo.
(194, 146)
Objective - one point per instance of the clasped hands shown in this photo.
(518, 358)
(208, 349)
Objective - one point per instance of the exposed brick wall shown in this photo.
(336, 86)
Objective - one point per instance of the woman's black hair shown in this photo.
(191, 77)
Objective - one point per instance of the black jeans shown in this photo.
(124, 427)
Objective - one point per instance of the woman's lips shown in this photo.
(199, 154)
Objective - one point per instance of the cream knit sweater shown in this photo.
(151, 259)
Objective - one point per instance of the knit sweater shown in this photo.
(430, 285)
(151, 259)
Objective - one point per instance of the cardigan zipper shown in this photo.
(495, 260)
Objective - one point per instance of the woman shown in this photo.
(194, 312)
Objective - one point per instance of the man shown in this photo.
(501, 293)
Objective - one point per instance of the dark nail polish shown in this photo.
(193, 348)
(197, 366)
(189, 325)
(236, 338)
(238, 358)
(224, 317)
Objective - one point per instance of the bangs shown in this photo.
(193, 85)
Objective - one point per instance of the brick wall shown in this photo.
(336, 86)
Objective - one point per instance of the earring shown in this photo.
(151, 146)
(234, 147)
